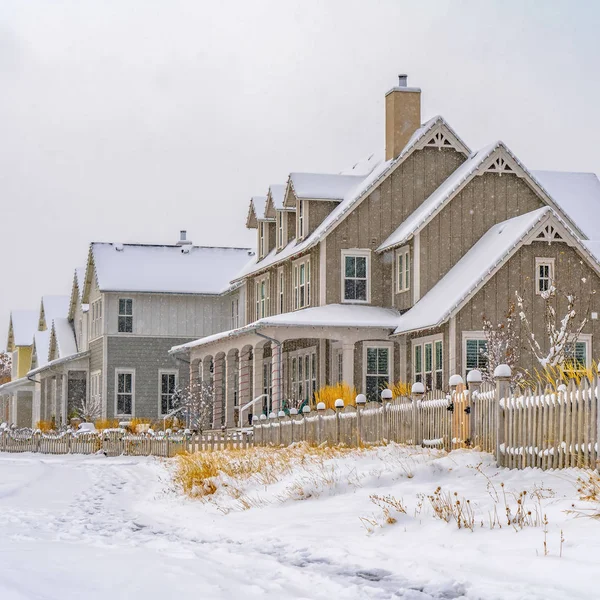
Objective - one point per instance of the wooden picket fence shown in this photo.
(543, 429)
(117, 443)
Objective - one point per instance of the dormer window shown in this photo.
(301, 219)
(403, 270)
(263, 238)
(280, 235)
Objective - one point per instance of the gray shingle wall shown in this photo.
(147, 356)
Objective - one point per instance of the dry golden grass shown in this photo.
(44, 426)
(102, 424)
(552, 377)
(330, 393)
(401, 389)
(202, 473)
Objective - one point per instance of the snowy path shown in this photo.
(94, 528)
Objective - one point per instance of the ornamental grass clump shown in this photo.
(330, 393)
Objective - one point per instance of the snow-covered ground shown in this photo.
(96, 527)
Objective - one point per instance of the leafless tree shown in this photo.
(5, 367)
(561, 332)
(89, 410)
(196, 400)
(502, 345)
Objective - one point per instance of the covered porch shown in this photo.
(279, 362)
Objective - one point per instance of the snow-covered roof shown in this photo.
(594, 247)
(24, 324)
(55, 306)
(80, 278)
(578, 195)
(471, 271)
(166, 269)
(65, 337)
(77, 287)
(59, 361)
(364, 166)
(323, 186)
(451, 186)
(351, 200)
(330, 315)
(42, 347)
(277, 194)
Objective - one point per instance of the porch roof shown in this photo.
(13, 386)
(355, 316)
(56, 363)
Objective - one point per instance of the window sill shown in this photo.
(356, 301)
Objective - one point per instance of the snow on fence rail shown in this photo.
(119, 442)
(532, 429)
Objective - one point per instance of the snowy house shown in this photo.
(140, 300)
(385, 272)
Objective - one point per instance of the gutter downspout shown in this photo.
(279, 365)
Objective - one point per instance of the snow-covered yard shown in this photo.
(96, 527)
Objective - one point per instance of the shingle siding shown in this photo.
(147, 356)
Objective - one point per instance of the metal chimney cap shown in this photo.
(403, 80)
(183, 241)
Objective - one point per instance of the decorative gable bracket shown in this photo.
(442, 136)
(549, 231)
(439, 141)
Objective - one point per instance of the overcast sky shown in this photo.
(127, 121)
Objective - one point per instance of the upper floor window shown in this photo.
(263, 229)
(356, 275)
(235, 313)
(301, 219)
(125, 315)
(96, 321)
(544, 275)
(301, 278)
(280, 232)
(281, 291)
(428, 362)
(403, 269)
(262, 298)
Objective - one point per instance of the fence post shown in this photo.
(305, 411)
(386, 397)
(474, 380)
(502, 375)
(263, 422)
(320, 410)
(455, 381)
(69, 437)
(339, 406)
(280, 417)
(293, 414)
(417, 391)
(361, 400)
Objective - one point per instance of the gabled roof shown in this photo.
(426, 135)
(62, 338)
(364, 166)
(322, 186)
(132, 268)
(477, 164)
(578, 195)
(76, 290)
(478, 265)
(42, 347)
(275, 197)
(256, 211)
(52, 307)
(23, 325)
(330, 315)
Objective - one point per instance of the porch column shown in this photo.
(258, 353)
(231, 388)
(218, 385)
(64, 410)
(245, 382)
(348, 363)
(276, 376)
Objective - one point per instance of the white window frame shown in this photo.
(403, 274)
(297, 286)
(262, 303)
(263, 234)
(435, 368)
(586, 338)
(356, 253)
(123, 371)
(303, 389)
(235, 313)
(96, 320)
(95, 393)
(376, 345)
(280, 290)
(301, 219)
(162, 372)
(123, 315)
(281, 229)
(470, 335)
(539, 262)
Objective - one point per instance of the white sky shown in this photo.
(128, 120)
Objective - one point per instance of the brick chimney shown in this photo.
(402, 116)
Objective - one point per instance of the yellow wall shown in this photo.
(23, 360)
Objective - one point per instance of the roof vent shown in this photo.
(402, 80)
(186, 249)
(119, 247)
(183, 241)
